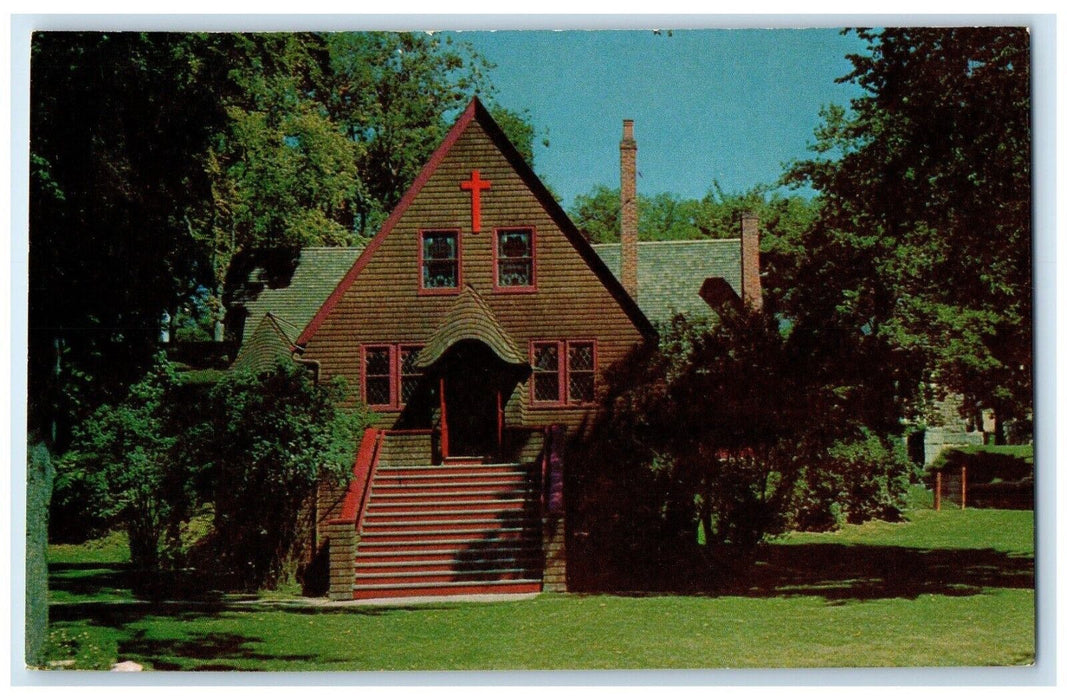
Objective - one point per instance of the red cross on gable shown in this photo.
(475, 185)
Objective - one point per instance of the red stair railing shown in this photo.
(362, 471)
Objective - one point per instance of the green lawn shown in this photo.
(1023, 452)
(947, 588)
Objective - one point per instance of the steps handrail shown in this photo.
(375, 452)
(358, 484)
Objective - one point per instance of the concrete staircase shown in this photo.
(463, 527)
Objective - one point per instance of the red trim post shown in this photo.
(499, 420)
(444, 421)
(963, 488)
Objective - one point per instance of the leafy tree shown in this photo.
(155, 158)
(117, 123)
(597, 214)
(689, 439)
(666, 216)
(125, 463)
(921, 253)
(268, 441)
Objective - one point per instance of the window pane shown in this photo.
(408, 385)
(581, 387)
(440, 260)
(410, 375)
(377, 361)
(546, 386)
(580, 358)
(408, 354)
(439, 274)
(515, 273)
(439, 245)
(378, 391)
(514, 244)
(515, 258)
(546, 357)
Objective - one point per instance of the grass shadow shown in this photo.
(88, 580)
(212, 651)
(837, 572)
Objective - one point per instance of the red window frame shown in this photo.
(516, 289)
(396, 374)
(563, 373)
(459, 261)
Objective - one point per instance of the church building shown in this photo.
(477, 325)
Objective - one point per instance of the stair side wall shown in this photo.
(342, 541)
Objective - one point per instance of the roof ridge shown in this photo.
(334, 247)
(677, 241)
(278, 322)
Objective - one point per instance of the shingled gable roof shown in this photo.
(477, 111)
(315, 272)
(671, 274)
(270, 342)
(469, 318)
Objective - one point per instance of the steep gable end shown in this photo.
(477, 117)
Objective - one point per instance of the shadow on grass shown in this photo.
(89, 580)
(213, 651)
(836, 572)
(121, 614)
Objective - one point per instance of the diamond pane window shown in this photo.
(410, 375)
(581, 388)
(514, 258)
(580, 357)
(378, 375)
(546, 357)
(580, 369)
(580, 365)
(440, 260)
(564, 372)
(546, 372)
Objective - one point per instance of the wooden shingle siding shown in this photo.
(382, 304)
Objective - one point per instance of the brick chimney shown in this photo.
(628, 218)
(751, 289)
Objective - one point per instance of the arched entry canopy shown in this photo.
(477, 366)
(470, 318)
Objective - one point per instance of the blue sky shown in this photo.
(730, 105)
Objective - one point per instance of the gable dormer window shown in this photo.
(513, 253)
(439, 261)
